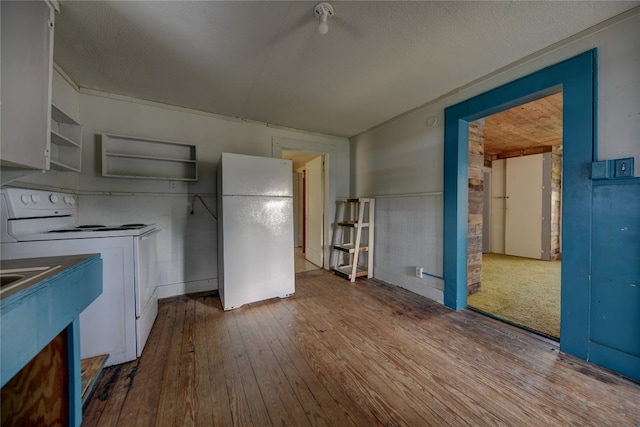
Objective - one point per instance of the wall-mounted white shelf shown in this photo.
(66, 142)
(141, 158)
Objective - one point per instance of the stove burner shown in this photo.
(115, 228)
(90, 228)
(100, 228)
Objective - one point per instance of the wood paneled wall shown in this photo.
(476, 192)
(556, 204)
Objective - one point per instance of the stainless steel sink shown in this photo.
(16, 279)
(7, 279)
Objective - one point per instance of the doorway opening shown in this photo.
(308, 200)
(514, 239)
(576, 77)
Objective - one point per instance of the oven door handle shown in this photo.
(145, 236)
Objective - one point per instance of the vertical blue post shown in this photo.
(456, 177)
(75, 373)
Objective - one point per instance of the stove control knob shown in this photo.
(69, 200)
(25, 199)
(53, 198)
(35, 198)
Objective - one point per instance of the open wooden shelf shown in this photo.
(90, 369)
(345, 271)
(66, 142)
(350, 248)
(352, 236)
(132, 157)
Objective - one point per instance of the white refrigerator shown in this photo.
(255, 229)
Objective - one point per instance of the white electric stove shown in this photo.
(36, 223)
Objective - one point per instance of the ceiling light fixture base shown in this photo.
(322, 11)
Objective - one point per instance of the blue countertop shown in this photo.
(43, 305)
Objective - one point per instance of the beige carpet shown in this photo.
(522, 291)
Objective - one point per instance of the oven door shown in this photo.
(146, 282)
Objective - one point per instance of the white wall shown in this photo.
(401, 162)
(187, 243)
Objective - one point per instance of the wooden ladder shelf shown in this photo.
(353, 238)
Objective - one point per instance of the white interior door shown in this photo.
(314, 247)
(297, 209)
(523, 222)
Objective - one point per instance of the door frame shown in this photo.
(576, 77)
(330, 153)
(308, 195)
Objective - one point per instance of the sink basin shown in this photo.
(14, 279)
(7, 279)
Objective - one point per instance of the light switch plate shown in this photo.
(623, 168)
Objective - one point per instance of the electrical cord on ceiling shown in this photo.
(193, 200)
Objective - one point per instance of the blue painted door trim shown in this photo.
(75, 373)
(614, 332)
(576, 77)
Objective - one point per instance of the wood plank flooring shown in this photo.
(343, 354)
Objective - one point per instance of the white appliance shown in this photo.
(255, 229)
(38, 223)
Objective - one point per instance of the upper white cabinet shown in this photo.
(132, 157)
(26, 31)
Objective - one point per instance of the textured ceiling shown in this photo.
(266, 60)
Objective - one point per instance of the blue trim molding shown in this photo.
(575, 77)
(614, 332)
(600, 296)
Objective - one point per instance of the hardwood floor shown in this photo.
(362, 354)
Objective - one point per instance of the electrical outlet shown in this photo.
(173, 185)
(419, 272)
